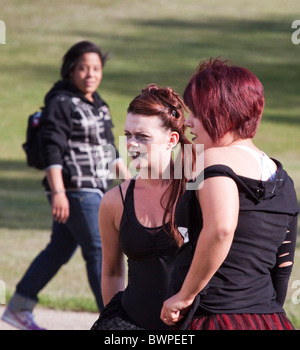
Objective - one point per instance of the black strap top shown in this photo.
(151, 253)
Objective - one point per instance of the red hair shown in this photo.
(165, 103)
(225, 98)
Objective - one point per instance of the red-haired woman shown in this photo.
(137, 218)
(241, 220)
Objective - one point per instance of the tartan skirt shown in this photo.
(276, 321)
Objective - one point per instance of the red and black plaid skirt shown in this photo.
(276, 321)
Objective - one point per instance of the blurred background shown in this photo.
(153, 41)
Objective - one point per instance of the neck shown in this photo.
(243, 142)
(231, 139)
(89, 97)
(157, 183)
(155, 175)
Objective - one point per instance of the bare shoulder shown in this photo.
(220, 184)
(113, 196)
(217, 155)
(111, 206)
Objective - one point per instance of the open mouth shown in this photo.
(136, 154)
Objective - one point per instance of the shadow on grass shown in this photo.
(23, 204)
(167, 51)
(283, 119)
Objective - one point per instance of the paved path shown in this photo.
(57, 320)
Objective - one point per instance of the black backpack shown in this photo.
(32, 145)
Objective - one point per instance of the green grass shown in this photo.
(160, 41)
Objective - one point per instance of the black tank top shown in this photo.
(150, 253)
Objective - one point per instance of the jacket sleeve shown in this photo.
(56, 126)
(285, 254)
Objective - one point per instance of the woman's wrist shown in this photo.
(186, 297)
(59, 191)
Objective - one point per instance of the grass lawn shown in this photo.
(159, 41)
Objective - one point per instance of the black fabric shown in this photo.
(77, 134)
(150, 253)
(114, 318)
(250, 279)
(31, 146)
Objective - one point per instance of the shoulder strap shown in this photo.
(218, 170)
(129, 191)
(122, 195)
(128, 194)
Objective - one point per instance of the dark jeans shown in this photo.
(80, 229)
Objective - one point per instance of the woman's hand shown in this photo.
(59, 200)
(174, 309)
(60, 207)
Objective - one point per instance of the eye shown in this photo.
(142, 137)
(83, 68)
(96, 69)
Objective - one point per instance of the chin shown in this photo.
(89, 91)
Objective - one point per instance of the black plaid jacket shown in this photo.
(77, 135)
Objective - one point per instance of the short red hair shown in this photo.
(225, 98)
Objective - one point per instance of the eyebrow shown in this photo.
(137, 132)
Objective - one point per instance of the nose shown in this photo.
(90, 72)
(132, 143)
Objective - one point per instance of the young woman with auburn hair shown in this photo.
(241, 221)
(137, 217)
